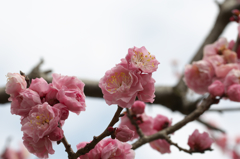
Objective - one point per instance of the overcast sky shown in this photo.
(87, 38)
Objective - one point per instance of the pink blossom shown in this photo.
(215, 48)
(144, 121)
(40, 86)
(223, 70)
(124, 134)
(230, 56)
(56, 134)
(140, 58)
(161, 122)
(233, 92)
(215, 61)
(9, 154)
(15, 84)
(147, 94)
(112, 148)
(120, 86)
(199, 141)
(74, 99)
(63, 111)
(221, 142)
(42, 120)
(231, 44)
(216, 88)
(41, 148)
(232, 78)
(161, 146)
(51, 96)
(138, 107)
(23, 103)
(198, 76)
(92, 154)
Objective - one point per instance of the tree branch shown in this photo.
(210, 126)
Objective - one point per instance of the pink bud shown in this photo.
(56, 135)
(138, 107)
(15, 84)
(199, 141)
(216, 88)
(124, 134)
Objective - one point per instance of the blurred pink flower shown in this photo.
(161, 146)
(124, 134)
(198, 76)
(216, 88)
(233, 92)
(15, 83)
(199, 141)
(41, 148)
(140, 58)
(232, 78)
(92, 154)
(161, 122)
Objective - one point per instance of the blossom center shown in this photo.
(117, 80)
(140, 59)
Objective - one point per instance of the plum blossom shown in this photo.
(138, 107)
(199, 141)
(92, 154)
(233, 92)
(40, 86)
(41, 148)
(161, 122)
(216, 88)
(56, 134)
(15, 84)
(24, 101)
(161, 146)
(124, 134)
(70, 92)
(112, 148)
(140, 58)
(216, 48)
(41, 121)
(120, 86)
(199, 76)
(232, 78)
(63, 111)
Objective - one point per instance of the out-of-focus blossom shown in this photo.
(161, 122)
(216, 48)
(216, 88)
(161, 146)
(223, 70)
(232, 78)
(233, 92)
(15, 84)
(124, 134)
(41, 148)
(198, 76)
(199, 141)
(92, 154)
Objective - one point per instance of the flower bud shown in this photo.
(138, 107)
(124, 134)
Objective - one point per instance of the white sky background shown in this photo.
(87, 38)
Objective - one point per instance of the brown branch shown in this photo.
(203, 106)
(223, 110)
(210, 126)
(68, 147)
(139, 131)
(95, 140)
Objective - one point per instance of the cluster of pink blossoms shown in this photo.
(43, 108)
(130, 79)
(217, 73)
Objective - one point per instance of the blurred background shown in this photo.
(87, 38)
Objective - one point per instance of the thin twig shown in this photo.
(139, 131)
(96, 139)
(210, 126)
(203, 106)
(223, 110)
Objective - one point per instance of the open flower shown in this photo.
(15, 84)
(140, 58)
(41, 121)
(120, 86)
